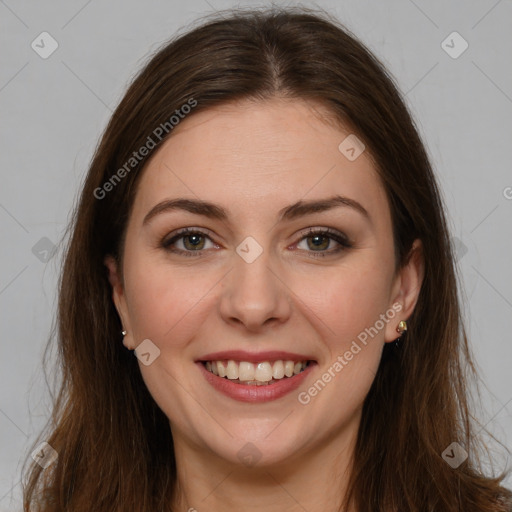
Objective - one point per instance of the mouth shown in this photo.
(249, 377)
(263, 373)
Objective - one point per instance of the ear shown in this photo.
(118, 296)
(406, 289)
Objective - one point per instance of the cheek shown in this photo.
(162, 298)
(351, 307)
(347, 300)
(169, 304)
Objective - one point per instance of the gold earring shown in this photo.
(402, 326)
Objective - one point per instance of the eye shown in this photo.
(321, 239)
(193, 241)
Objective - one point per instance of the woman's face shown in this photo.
(262, 285)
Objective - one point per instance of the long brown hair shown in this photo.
(114, 444)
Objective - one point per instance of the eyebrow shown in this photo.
(294, 211)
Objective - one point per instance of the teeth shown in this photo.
(221, 368)
(278, 370)
(261, 373)
(246, 371)
(232, 370)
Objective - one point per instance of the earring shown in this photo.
(124, 333)
(402, 326)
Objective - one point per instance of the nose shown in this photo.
(254, 294)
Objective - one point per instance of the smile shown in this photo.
(256, 377)
(255, 374)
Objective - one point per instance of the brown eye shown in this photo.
(192, 241)
(319, 240)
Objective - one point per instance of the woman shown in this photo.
(261, 227)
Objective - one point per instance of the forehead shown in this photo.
(259, 157)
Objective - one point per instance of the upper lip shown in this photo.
(255, 357)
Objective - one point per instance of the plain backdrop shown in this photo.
(54, 109)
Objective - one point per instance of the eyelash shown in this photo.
(332, 234)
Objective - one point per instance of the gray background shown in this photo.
(54, 110)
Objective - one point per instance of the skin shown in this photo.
(254, 158)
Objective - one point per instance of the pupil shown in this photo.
(192, 241)
(317, 240)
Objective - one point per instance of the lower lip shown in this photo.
(255, 393)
